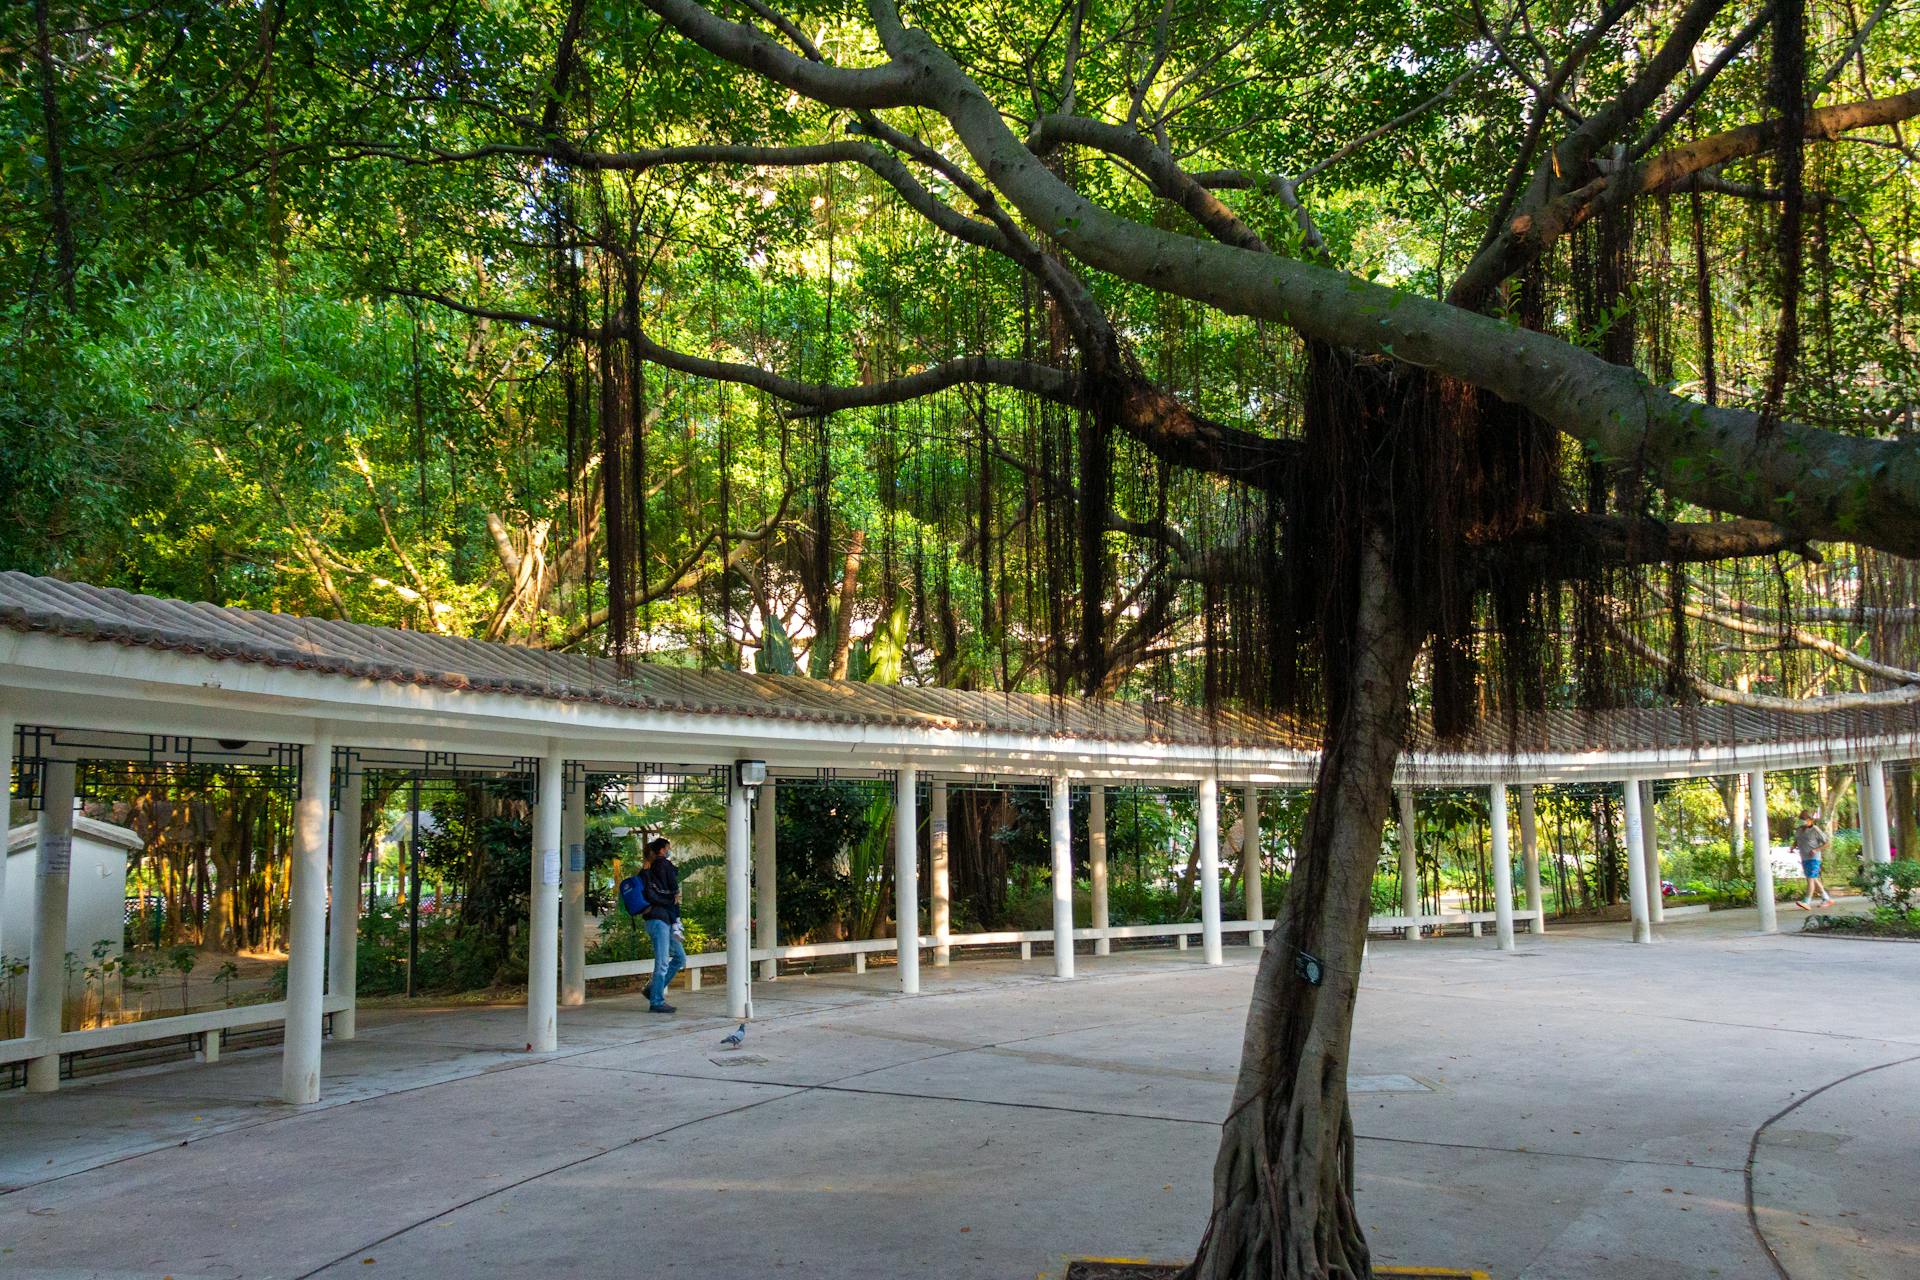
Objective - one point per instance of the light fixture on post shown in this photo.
(749, 774)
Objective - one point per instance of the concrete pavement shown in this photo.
(1581, 1108)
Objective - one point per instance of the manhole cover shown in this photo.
(1390, 1083)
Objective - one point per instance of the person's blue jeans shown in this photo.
(669, 958)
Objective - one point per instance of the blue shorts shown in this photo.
(1811, 866)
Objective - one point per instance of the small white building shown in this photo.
(97, 891)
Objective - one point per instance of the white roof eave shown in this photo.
(75, 683)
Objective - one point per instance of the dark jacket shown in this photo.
(663, 890)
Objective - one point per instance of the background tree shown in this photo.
(1376, 366)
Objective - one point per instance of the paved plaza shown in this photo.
(1582, 1108)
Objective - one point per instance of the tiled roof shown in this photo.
(108, 615)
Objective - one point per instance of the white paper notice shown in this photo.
(59, 858)
(550, 867)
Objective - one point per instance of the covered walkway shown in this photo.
(1580, 1107)
(94, 679)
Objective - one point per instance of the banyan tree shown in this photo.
(1384, 364)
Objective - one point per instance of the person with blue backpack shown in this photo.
(654, 896)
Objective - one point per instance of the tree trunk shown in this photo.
(843, 615)
(977, 861)
(220, 932)
(1188, 879)
(1731, 796)
(1283, 1181)
(1901, 776)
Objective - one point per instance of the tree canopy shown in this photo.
(1457, 359)
(355, 309)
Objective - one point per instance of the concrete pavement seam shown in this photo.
(791, 1091)
(534, 1177)
(838, 1086)
(1753, 1151)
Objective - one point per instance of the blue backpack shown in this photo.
(633, 894)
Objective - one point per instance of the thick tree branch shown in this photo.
(1815, 484)
(1902, 696)
(1513, 241)
(1160, 169)
(1823, 125)
(1700, 83)
(887, 85)
(1020, 375)
(1530, 233)
(1570, 544)
(1806, 640)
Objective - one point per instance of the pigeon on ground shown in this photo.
(735, 1040)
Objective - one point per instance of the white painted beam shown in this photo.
(906, 876)
(1530, 857)
(573, 896)
(343, 906)
(739, 890)
(1874, 805)
(1252, 866)
(47, 969)
(1409, 862)
(543, 907)
(6, 800)
(1650, 848)
(766, 877)
(1760, 838)
(307, 925)
(1060, 831)
(1636, 864)
(1207, 811)
(1502, 867)
(1102, 918)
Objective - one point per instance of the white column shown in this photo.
(1502, 867)
(343, 904)
(1097, 867)
(766, 877)
(573, 896)
(47, 968)
(739, 890)
(1530, 859)
(1251, 865)
(1207, 807)
(906, 876)
(1761, 839)
(1409, 865)
(1636, 864)
(940, 909)
(543, 908)
(1874, 804)
(307, 924)
(1060, 826)
(6, 801)
(1650, 843)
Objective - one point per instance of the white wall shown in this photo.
(97, 894)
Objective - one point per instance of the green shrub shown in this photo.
(1722, 894)
(453, 956)
(1842, 858)
(1893, 886)
(1385, 896)
(622, 937)
(1881, 922)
